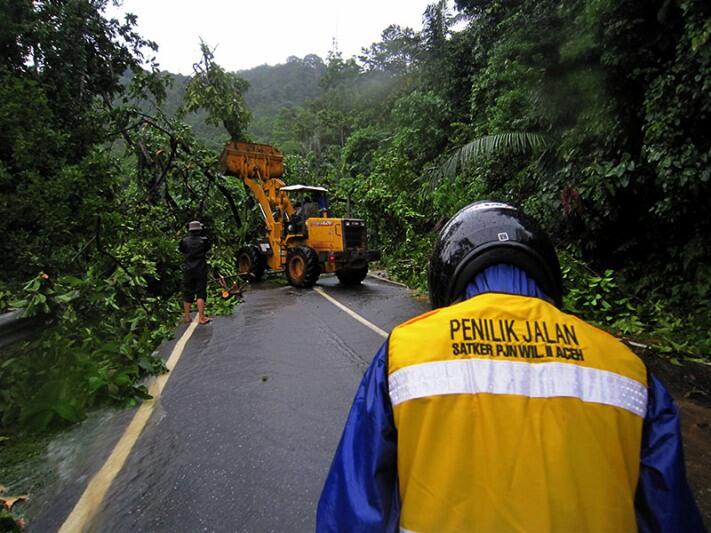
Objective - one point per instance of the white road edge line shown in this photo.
(353, 314)
(90, 502)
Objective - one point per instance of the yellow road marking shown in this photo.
(86, 508)
(353, 314)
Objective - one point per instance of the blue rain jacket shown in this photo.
(361, 489)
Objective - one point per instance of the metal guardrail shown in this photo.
(15, 328)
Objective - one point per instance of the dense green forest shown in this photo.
(593, 115)
(273, 90)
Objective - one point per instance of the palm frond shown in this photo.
(507, 143)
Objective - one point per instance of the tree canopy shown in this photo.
(591, 115)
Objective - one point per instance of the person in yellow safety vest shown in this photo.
(498, 412)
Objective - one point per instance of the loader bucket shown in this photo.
(247, 160)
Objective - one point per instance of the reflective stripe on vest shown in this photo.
(474, 376)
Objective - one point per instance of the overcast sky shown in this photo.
(251, 33)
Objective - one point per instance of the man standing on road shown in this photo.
(194, 247)
(498, 412)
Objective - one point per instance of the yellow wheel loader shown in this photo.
(301, 237)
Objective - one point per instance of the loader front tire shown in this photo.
(350, 277)
(250, 262)
(302, 268)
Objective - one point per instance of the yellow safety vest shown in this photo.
(514, 416)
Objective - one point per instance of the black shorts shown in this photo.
(194, 284)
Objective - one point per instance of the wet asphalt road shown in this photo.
(245, 430)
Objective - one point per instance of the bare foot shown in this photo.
(205, 320)
(186, 320)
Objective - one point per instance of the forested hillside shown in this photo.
(273, 90)
(591, 115)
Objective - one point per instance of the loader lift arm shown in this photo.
(260, 167)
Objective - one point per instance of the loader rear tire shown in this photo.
(302, 267)
(350, 277)
(251, 262)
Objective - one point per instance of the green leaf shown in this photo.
(67, 297)
(507, 143)
(67, 411)
(18, 304)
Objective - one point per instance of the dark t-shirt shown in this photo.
(194, 249)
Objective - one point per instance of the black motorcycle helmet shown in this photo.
(488, 233)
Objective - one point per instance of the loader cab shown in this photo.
(308, 202)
